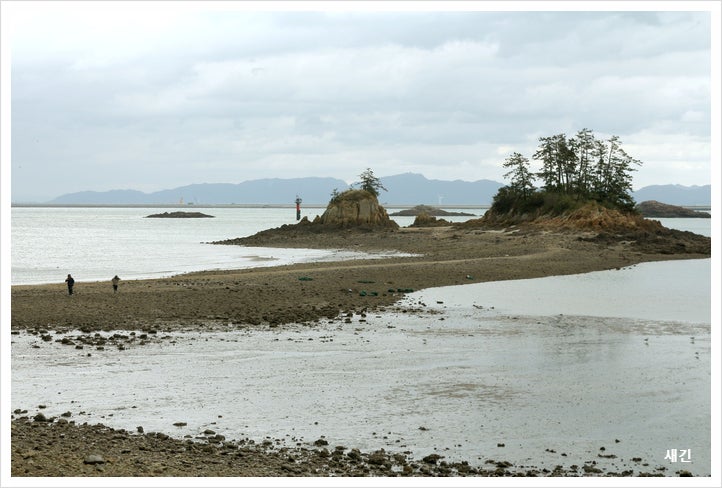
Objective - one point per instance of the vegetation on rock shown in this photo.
(371, 183)
(574, 172)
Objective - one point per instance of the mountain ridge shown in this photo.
(401, 189)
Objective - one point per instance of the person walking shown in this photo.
(70, 281)
(115, 282)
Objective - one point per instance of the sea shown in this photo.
(96, 243)
(610, 369)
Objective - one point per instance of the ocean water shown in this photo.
(94, 244)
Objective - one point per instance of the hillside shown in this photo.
(402, 189)
(675, 194)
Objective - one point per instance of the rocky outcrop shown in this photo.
(426, 220)
(432, 211)
(604, 226)
(179, 215)
(655, 209)
(589, 217)
(355, 208)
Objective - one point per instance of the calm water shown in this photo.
(96, 243)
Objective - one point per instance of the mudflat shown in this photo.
(274, 296)
(300, 293)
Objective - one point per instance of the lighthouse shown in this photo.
(298, 207)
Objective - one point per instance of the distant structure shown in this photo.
(298, 207)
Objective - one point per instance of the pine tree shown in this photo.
(371, 183)
(521, 178)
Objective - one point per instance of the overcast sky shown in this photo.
(150, 96)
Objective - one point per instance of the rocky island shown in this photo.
(179, 215)
(428, 210)
(655, 209)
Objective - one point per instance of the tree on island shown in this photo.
(522, 179)
(573, 171)
(371, 183)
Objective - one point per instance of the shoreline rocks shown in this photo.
(67, 448)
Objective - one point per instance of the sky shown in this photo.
(151, 96)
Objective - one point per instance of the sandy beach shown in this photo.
(303, 293)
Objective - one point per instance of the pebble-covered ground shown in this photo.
(57, 447)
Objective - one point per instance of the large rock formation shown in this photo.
(355, 208)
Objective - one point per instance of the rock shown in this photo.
(355, 208)
(94, 459)
(426, 220)
(378, 458)
(431, 458)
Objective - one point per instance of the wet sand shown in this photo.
(271, 297)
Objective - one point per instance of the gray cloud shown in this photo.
(122, 101)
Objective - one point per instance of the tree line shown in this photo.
(579, 168)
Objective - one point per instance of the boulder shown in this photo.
(426, 220)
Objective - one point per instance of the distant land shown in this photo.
(403, 189)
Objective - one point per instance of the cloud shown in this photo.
(165, 97)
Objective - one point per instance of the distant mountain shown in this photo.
(268, 191)
(415, 189)
(402, 189)
(675, 194)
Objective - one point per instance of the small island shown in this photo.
(179, 215)
(655, 209)
(428, 210)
